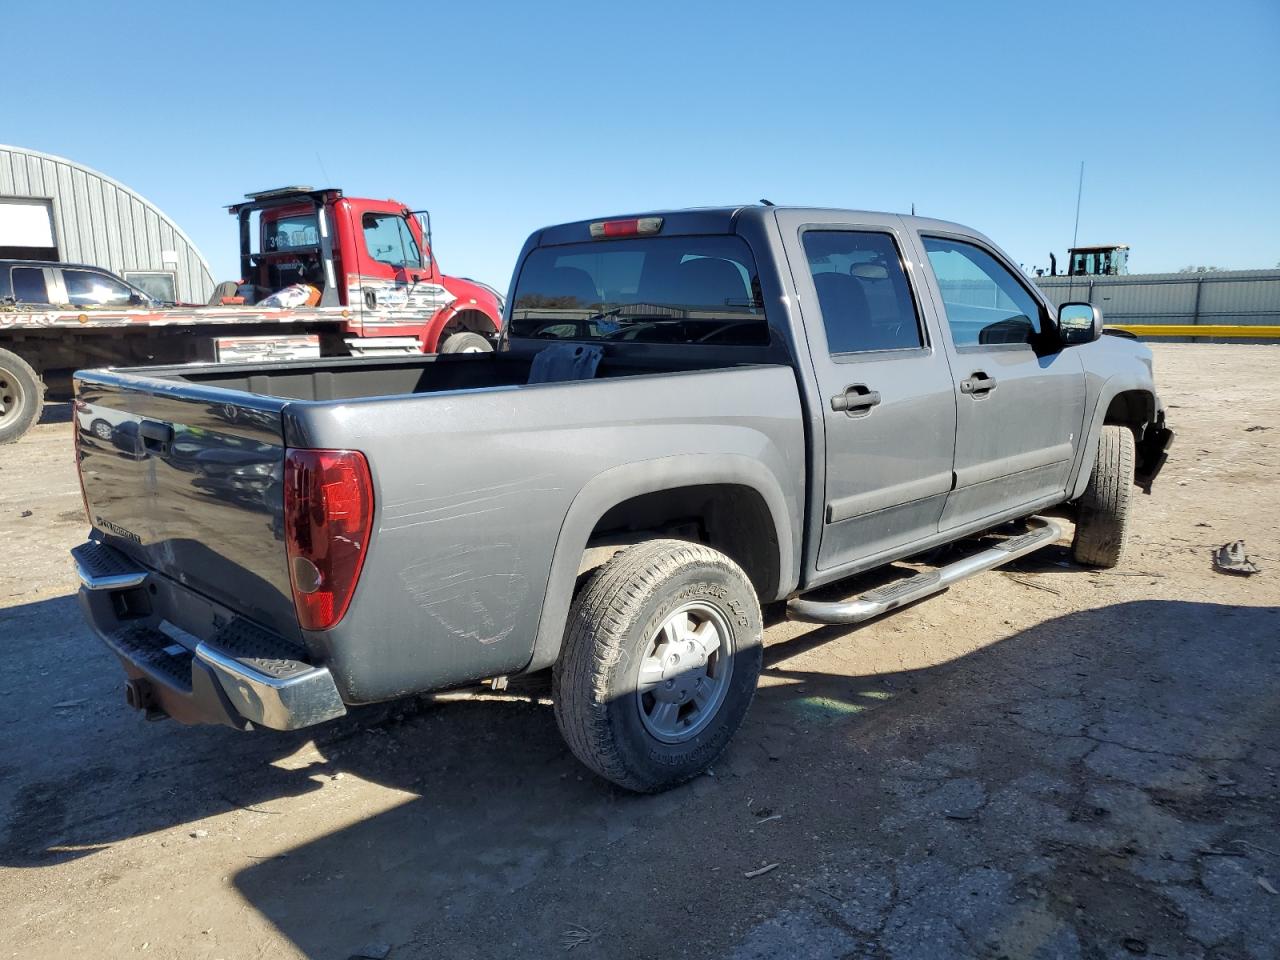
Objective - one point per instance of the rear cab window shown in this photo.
(672, 290)
(293, 232)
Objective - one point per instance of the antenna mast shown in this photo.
(1075, 234)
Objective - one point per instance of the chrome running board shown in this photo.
(881, 600)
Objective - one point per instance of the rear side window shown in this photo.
(28, 285)
(686, 290)
(862, 289)
(985, 303)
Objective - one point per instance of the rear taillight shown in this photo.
(328, 514)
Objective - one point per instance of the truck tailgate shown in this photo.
(190, 484)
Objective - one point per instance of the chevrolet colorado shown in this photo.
(690, 413)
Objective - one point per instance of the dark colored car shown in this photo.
(44, 283)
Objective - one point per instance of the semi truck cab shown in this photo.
(373, 257)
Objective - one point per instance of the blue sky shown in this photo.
(502, 117)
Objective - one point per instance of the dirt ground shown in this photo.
(1042, 762)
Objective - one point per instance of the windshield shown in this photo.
(645, 290)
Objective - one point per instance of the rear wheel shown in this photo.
(466, 342)
(659, 665)
(21, 396)
(1102, 514)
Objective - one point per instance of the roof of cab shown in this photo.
(712, 220)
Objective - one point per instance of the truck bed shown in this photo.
(471, 497)
(347, 379)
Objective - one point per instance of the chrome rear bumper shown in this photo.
(241, 675)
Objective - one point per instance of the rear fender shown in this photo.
(608, 489)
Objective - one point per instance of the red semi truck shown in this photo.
(377, 287)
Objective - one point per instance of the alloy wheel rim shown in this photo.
(685, 671)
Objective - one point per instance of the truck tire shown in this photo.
(660, 661)
(464, 341)
(21, 396)
(1102, 514)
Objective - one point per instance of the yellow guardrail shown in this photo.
(1196, 330)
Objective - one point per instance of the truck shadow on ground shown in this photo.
(497, 818)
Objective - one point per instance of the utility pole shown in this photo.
(1075, 234)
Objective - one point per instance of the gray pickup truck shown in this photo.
(691, 413)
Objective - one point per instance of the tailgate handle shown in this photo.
(156, 436)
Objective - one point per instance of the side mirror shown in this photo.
(1079, 323)
(424, 226)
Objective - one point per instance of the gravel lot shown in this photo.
(1042, 762)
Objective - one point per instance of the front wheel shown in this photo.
(660, 662)
(21, 396)
(1102, 514)
(466, 342)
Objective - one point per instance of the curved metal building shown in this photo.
(54, 209)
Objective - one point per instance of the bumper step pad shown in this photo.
(241, 675)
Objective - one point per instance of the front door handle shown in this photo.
(979, 385)
(856, 400)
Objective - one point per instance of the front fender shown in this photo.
(621, 483)
(1095, 417)
(467, 298)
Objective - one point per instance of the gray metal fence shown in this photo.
(1234, 297)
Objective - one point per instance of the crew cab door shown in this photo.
(1019, 397)
(888, 407)
(388, 250)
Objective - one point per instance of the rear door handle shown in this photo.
(856, 400)
(978, 385)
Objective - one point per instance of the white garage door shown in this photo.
(27, 223)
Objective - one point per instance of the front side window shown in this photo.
(984, 301)
(388, 240)
(29, 285)
(88, 289)
(685, 290)
(862, 289)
